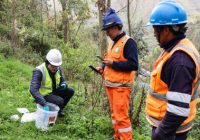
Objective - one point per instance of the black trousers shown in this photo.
(179, 136)
(60, 97)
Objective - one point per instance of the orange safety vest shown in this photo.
(156, 103)
(112, 77)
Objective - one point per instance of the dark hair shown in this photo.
(119, 27)
(47, 62)
(178, 29)
(159, 27)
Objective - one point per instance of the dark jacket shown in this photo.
(36, 84)
(178, 73)
(130, 53)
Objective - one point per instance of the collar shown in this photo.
(169, 45)
(118, 37)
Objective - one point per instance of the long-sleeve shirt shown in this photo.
(36, 84)
(130, 53)
(178, 73)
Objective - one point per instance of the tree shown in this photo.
(55, 17)
(102, 35)
(74, 13)
(65, 19)
(47, 12)
(108, 3)
(14, 25)
(128, 17)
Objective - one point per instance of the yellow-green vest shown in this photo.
(46, 83)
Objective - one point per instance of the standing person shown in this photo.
(48, 83)
(171, 102)
(119, 65)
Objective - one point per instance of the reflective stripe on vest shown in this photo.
(117, 78)
(181, 129)
(163, 96)
(46, 84)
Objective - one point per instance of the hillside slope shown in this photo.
(144, 9)
(80, 122)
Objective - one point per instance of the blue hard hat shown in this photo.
(111, 19)
(168, 12)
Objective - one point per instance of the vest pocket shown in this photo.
(116, 52)
(155, 107)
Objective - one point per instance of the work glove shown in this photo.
(46, 107)
(63, 86)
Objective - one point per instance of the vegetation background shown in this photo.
(29, 28)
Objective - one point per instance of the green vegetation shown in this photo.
(28, 31)
(84, 119)
(14, 82)
(87, 114)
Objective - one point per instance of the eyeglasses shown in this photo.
(54, 67)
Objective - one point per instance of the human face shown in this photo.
(162, 34)
(111, 32)
(52, 68)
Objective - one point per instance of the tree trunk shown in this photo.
(47, 12)
(55, 18)
(128, 17)
(65, 20)
(42, 28)
(108, 4)
(102, 35)
(14, 25)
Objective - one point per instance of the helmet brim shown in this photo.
(110, 26)
(165, 24)
(56, 64)
(107, 27)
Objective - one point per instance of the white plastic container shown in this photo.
(45, 118)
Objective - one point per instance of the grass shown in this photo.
(14, 92)
(81, 121)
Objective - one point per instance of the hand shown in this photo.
(107, 62)
(46, 107)
(100, 69)
(63, 86)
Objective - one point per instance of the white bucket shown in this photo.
(44, 118)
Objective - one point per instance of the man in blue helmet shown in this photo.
(171, 102)
(119, 64)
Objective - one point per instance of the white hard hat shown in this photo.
(54, 57)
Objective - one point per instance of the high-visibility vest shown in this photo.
(46, 83)
(112, 77)
(156, 102)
